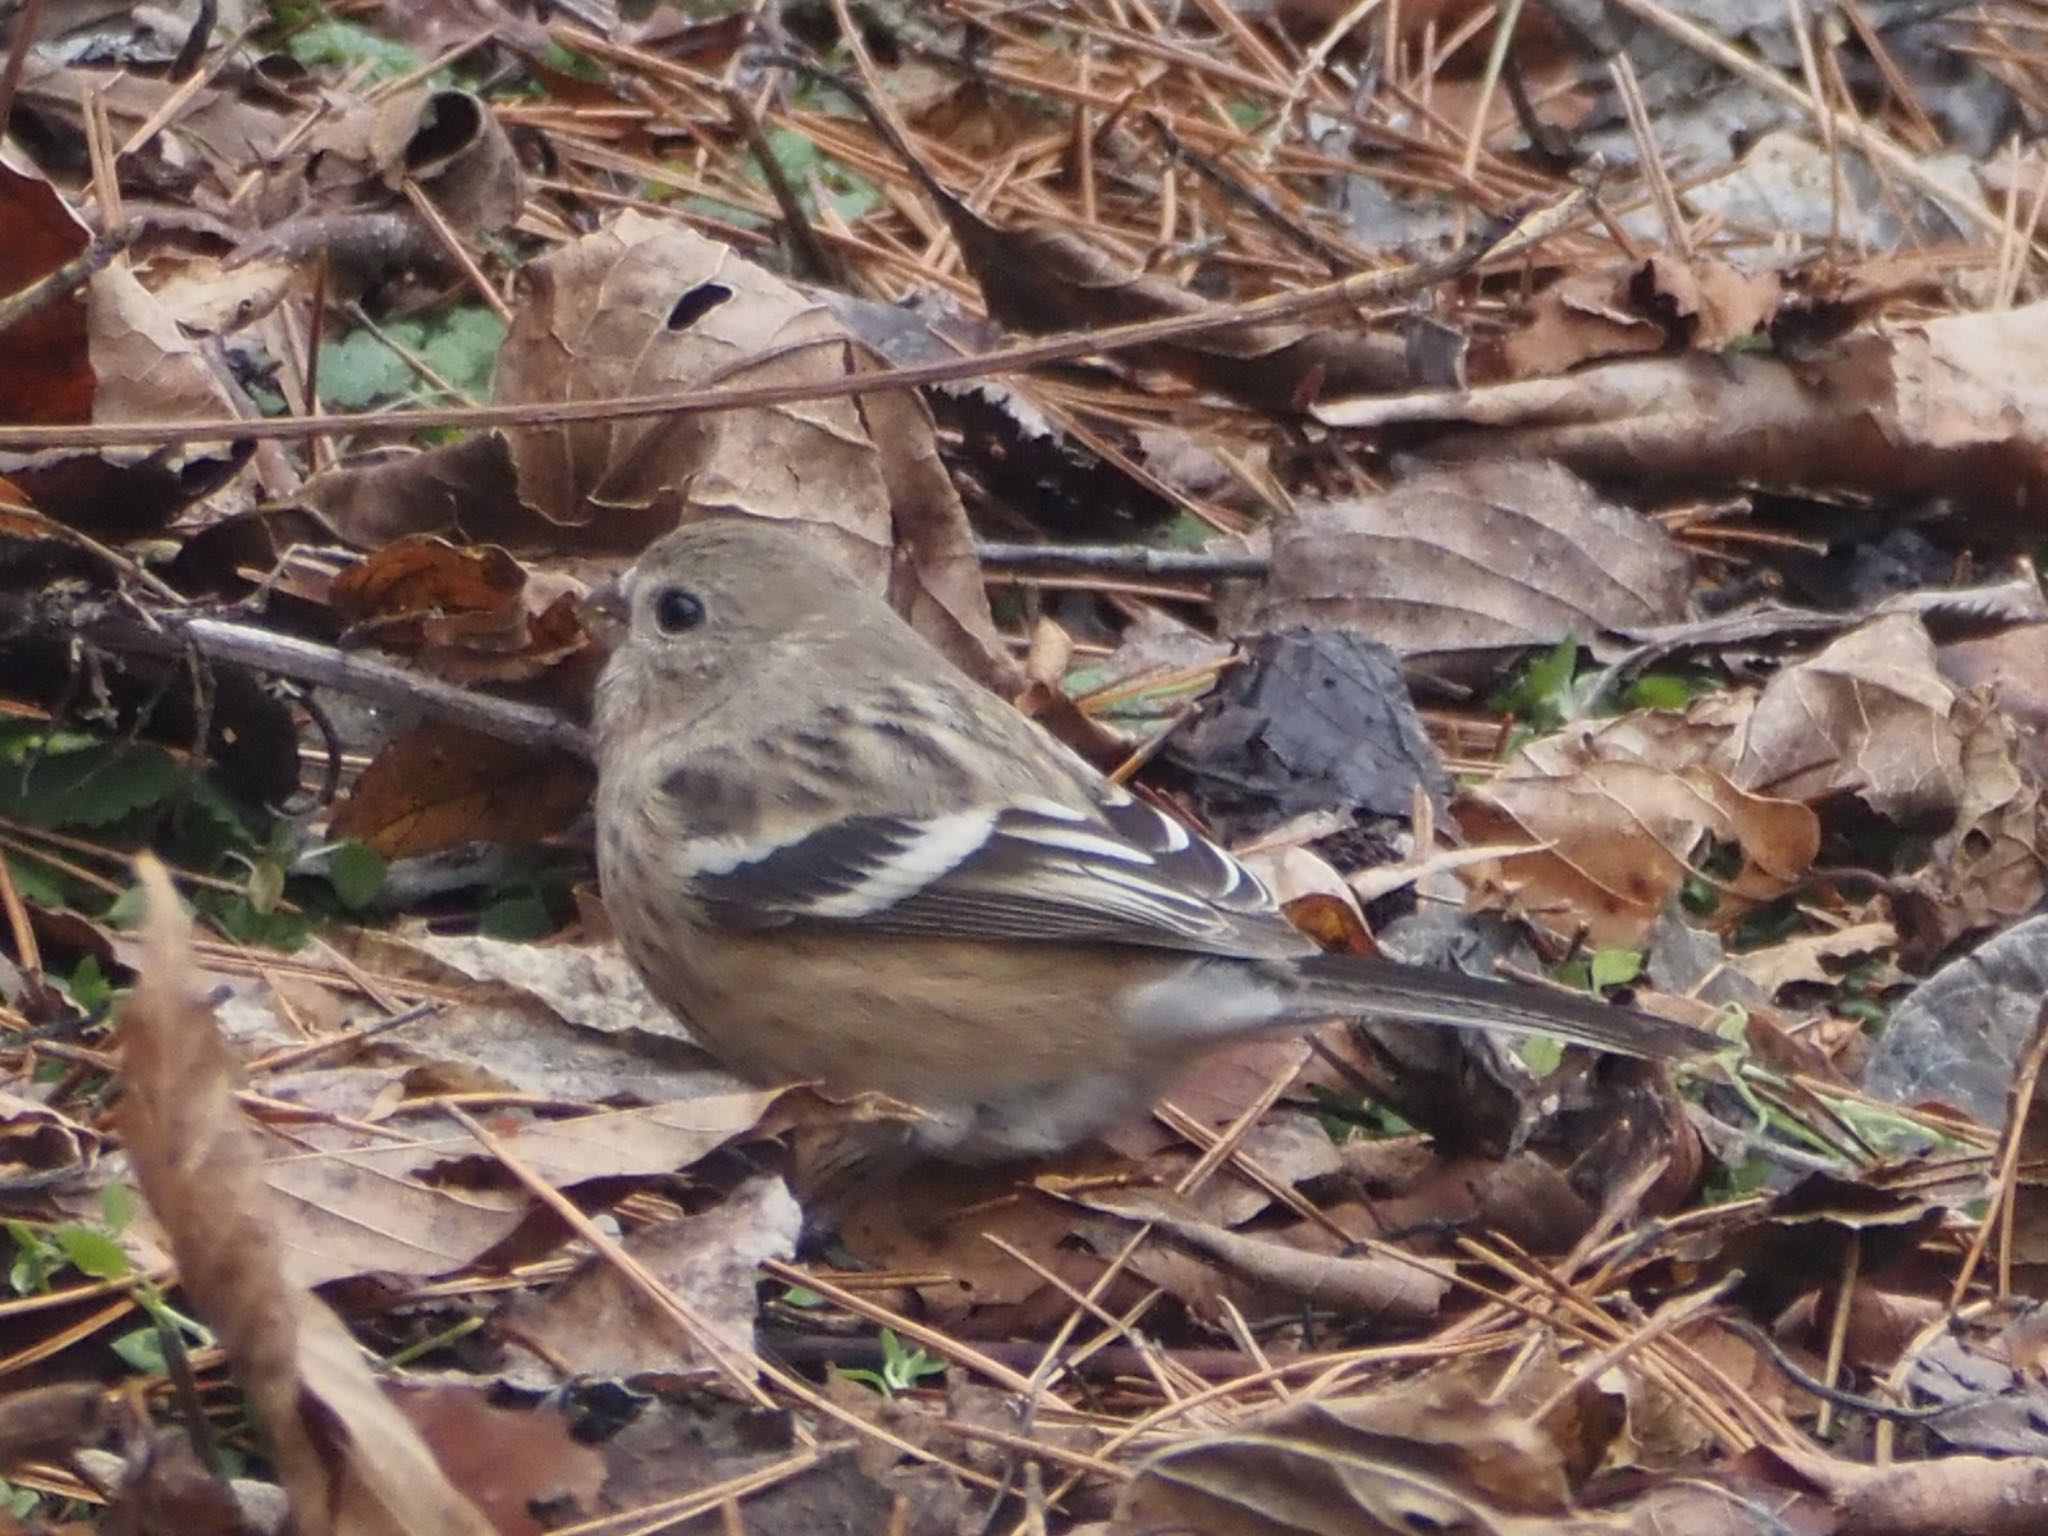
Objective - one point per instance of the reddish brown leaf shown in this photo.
(421, 575)
(48, 377)
(441, 786)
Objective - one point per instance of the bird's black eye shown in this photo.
(677, 609)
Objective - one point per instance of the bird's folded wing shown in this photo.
(1120, 872)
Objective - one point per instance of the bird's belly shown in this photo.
(1013, 1049)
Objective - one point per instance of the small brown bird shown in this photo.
(843, 862)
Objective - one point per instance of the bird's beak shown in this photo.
(608, 610)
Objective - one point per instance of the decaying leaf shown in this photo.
(1047, 278)
(1868, 716)
(1483, 558)
(1378, 1465)
(1959, 1037)
(644, 306)
(598, 1324)
(1656, 305)
(441, 786)
(471, 613)
(1619, 838)
(39, 1146)
(48, 377)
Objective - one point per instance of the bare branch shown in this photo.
(366, 677)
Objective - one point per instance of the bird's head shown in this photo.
(713, 611)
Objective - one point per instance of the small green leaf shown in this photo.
(460, 344)
(903, 1368)
(1541, 695)
(558, 58)
(345, 46)
(1615, 968)
(228, 819)
(356, 871)
(142, 1350)
(92, 788)
(359, 370)
(516, 915)
(20, 1503)
(1542, 1054)
(1662, 690)
(238, 918)
(25, 739)
(92, 1252)
(89, 986)
(35, 1261)
(117, 1206)
(38, 884)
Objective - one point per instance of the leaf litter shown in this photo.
(1558, 501)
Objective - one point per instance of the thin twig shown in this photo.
(67, 279)
(26, 23)
(365, 677)
(1121, 560)
(1359, 288)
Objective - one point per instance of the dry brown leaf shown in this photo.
(1621, 837)
(340, 1214)
(1664, 1427)
(1430, 1456)
(470, 612)
(48, 377)
(1481, 558)
(441, 786)
(2011, 666)
(445, 140)
(1868, 716)
(646, 306)
(420, 576)
(517, 1461)
(1049, 277)
(938, 1225)
(1708, 304)
(47, 1423)
(1984, 1495)
(217, 132)
(348, 1461)
(1816, 957)
(562, 1022)
(599, 1324)
(1581, 316)
(1656, 305)
(607, 1144)
(466, 487)
(208, 296)
(39, 1146)
(453, 145)
(148, 369)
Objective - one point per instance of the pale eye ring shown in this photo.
(677, 609)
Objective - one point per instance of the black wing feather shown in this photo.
(1034, 871)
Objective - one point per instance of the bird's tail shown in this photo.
(1332, 986)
